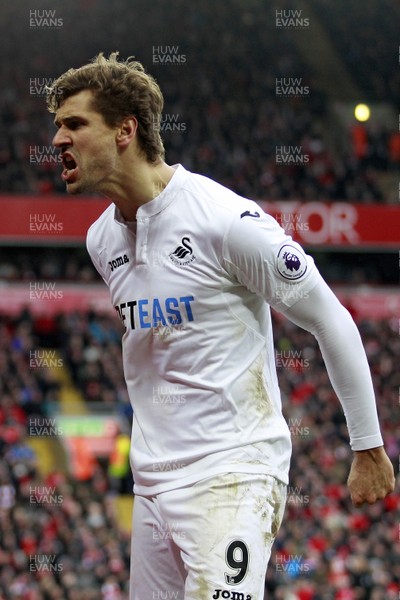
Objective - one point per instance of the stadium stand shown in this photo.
(223, 114)
(323, 549)
(372, 62)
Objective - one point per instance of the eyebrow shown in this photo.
(68, 119)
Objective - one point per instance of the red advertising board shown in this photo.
(338, 224)
(50, 220)
(65, 220)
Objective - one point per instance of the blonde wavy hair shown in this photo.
(120, 89)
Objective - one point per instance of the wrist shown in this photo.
(371, 451)
(376, 455)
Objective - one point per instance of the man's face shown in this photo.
(87, 145)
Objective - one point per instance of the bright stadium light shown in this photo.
(362, 112)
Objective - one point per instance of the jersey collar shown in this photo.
(161, 201)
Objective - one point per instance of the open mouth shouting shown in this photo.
(70, 171)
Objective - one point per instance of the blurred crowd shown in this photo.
(59, 535)
(42, 263)
(92, 348)
(372, 60)
(326, 549)
(60, 538)
(219, 66)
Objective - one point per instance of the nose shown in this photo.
(61, 138)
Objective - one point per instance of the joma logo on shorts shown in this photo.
(231, 595)
(118, 262)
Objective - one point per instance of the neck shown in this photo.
(138, 185)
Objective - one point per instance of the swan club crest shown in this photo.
(183, 253)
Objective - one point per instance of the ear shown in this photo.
(126, 131)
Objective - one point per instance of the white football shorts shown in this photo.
(208, 541)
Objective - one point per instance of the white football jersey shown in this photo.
(192, 280)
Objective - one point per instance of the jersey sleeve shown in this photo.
(341, 346)
(269, 263)
(263, 258)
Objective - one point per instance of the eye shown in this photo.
(74, 124)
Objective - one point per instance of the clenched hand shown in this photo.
(371, 476)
